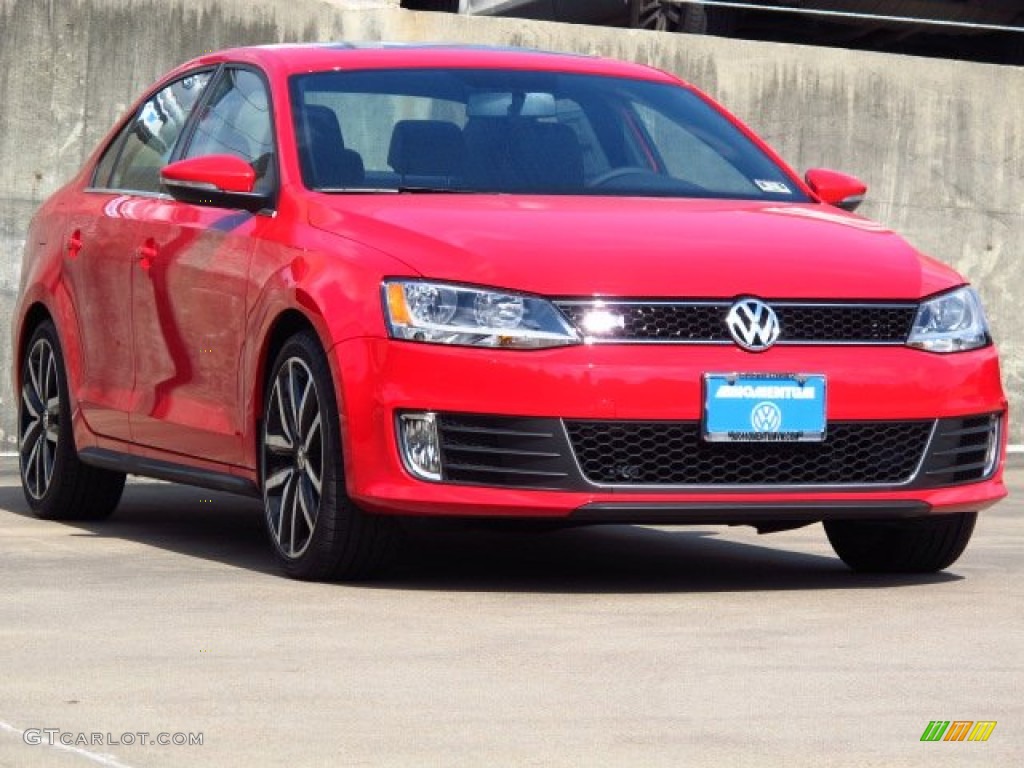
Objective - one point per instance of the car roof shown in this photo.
(288, 59)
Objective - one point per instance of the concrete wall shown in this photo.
(941, 144)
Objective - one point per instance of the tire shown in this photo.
(663, 17)
(445, 6)
(57, 485)
(1011, 50)
(696, 19)
(317, 532)
(923, 545)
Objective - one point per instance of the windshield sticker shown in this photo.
(773, 186)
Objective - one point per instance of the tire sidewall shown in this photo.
(65, 435)
(319, 555)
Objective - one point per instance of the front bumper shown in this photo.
(659, 386)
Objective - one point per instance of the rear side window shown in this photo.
(134, 159)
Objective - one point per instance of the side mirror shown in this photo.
(222, 181)
(838, 189)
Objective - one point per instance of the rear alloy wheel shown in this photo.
(317, 532)
(57, 485)
(922, 545)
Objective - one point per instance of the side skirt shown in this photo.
(166, 470)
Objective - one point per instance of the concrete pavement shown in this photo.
(593, 647)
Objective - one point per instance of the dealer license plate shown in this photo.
(762, 408)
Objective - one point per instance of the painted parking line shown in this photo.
(97, 757)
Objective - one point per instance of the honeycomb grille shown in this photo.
(799, 323)
(673, 453)
(532, 452)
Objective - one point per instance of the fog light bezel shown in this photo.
(995, 446)
(428, 420)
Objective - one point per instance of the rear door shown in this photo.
(101, 249)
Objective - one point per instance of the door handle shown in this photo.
(146, 253)
(75, 244)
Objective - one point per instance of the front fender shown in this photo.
(332, 283)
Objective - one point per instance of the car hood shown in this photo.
(641, 247)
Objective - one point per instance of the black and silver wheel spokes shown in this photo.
(658, 15)
(293, 457)
(39, 419)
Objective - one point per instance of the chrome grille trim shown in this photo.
(539, 453)
(702, 321)
(502, 451)
(968, 454)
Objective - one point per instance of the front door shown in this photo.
(189, 289)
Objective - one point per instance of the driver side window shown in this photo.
(236, 121)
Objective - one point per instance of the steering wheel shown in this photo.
(625, 170)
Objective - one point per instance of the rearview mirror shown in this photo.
(838, 189)
(223, 181)
(532, 104)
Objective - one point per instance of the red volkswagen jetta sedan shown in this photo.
(373, 282)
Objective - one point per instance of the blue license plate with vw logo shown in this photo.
(764, 407)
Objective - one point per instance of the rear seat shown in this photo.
(522, 155)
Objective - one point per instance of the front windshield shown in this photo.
(507, 131)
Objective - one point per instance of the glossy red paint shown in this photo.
(724, 247)
(835, 188)
(188, 323)
(96, 278)
(627, 383)
(226, 173)
(166, 309)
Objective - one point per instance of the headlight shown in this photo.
(443, 313)
(952, 322)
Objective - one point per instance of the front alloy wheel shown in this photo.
(316, 530)
(293, 444)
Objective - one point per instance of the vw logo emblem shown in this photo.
(766, 417)
(753, 324)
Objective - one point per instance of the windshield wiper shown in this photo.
(419, 190)
(400, 190)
